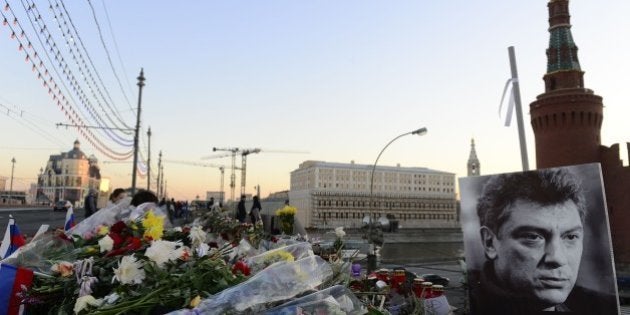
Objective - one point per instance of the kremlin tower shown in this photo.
(566, 120)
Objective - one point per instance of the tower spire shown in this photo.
(567, 118)
(563, 66)
(473, 161)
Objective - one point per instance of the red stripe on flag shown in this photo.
(24, 277)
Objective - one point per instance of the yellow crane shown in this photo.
(243, 153)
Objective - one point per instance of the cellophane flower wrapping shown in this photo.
(278, 282)
(122, 211)
(336, 299)
(39, 255)
(288, 253)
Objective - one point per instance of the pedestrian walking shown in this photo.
(254, 214)
(241, 212)
(89, 204)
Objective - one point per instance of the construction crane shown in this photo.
(233, 152)
(243, 153)
(220, 167)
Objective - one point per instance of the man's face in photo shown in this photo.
(537, 251)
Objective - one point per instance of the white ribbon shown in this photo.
(83, 272)
(511, 102)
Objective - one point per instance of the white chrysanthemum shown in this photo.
(177, 229)
(106, 243)
(129, 271)
(83, 302)
(197, 235)
(340, 232)
(163, 251)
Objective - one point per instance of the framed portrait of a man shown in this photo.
(538, 241)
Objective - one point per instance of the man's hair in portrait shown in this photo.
(545, 187)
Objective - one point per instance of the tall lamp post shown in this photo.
(11, 186)
(149, 160)
(135, 138)
(372, 257)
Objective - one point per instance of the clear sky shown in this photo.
(337, 79)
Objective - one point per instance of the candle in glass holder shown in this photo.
(426, 290)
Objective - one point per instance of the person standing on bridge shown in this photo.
(117, 195)
(89, 204)
(241, 212)
(254, 214)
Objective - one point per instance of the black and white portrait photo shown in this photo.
(538, 241)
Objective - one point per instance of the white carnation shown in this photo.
(197, 235)
(202, 249)
(106, 243)
(163, 251)
(129, 271)
(340, 232)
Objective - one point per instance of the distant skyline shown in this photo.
(335, 79)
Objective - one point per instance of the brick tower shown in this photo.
(566, 118)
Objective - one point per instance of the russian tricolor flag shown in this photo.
(12, 240)
(12, 282)
(69, 219)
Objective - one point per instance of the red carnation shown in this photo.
(118, 227)
(242, 267)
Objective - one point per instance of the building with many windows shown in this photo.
(69, 176)
(338, 194)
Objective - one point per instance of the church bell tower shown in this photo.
(473, 161)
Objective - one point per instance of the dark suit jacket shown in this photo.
(488, 299)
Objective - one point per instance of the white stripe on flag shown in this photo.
(6, 241)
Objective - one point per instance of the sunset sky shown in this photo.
(335, 79)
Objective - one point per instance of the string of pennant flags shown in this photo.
(54, 89)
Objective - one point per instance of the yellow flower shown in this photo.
(279, 255)
(102, 230)
(286, 211)
(92, 249)
(153, 226)
(194, 302)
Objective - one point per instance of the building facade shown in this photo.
(337, 194)
(69, 176)
(567, 119)
(278, 195)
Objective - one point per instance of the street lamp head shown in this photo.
(421, 132)
(13, 160)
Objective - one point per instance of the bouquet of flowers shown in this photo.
(131, 267)
(279, 282)
(286, 216)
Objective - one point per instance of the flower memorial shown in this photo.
(130, 267)
(286, 215)
(136, 264)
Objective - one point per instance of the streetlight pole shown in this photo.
(162, 185)
(372, 257)
(420, 132)
(159, 178)
(11, 186)
(135, 139)
(149, 160)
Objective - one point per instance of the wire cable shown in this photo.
(109, 58)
